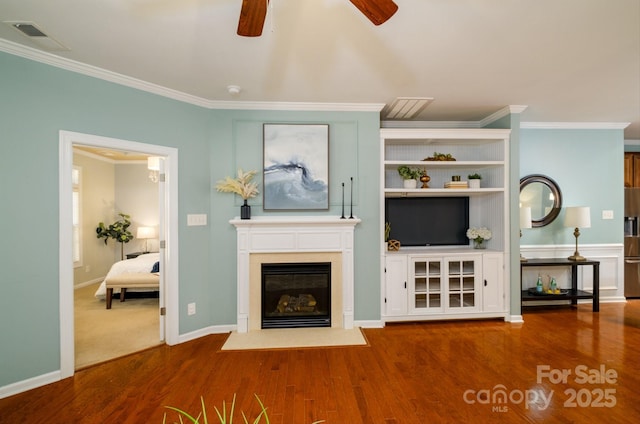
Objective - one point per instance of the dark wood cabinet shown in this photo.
(632, 169)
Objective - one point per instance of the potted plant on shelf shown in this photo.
(409, 175)
(474, 180)
(243, 186)
(119, 231)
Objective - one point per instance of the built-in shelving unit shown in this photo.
(448, 282)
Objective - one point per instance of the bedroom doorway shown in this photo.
(166, 324)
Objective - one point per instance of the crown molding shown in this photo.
(93, 71)
(429, 124)
(575, 125)
(297, 106)
(507, 110)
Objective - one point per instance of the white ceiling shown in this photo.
(574, 61)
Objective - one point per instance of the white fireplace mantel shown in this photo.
(294, 234)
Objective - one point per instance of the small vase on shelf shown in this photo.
(245, 211)
(479, 244)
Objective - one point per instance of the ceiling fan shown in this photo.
(253, 13)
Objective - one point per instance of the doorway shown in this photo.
(167, 234)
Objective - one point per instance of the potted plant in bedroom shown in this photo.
(243, 186)
(119, 231)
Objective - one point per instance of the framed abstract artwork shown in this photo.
(296, 167)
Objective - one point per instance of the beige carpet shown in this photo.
(102, 334)
(282, 338)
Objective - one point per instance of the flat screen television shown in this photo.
(428, 221)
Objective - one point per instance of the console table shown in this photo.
(574, 294)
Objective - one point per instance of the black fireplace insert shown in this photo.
(296, 295)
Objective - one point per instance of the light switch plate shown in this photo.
(196, 219)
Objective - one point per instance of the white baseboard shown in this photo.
(515, 319)
(30, 383)
(214, 329)
(369, 323)
(88, 283)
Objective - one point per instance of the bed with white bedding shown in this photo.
(141, 264)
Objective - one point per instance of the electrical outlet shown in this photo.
(191, 308)
(87, 268)
(608, 214)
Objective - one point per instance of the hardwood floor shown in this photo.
(438, 372)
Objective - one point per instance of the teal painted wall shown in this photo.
(588, 167)
(354, 152)
(39, 100)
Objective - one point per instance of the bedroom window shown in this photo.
(77, 240)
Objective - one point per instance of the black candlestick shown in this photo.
(342, 217)
(351, 215)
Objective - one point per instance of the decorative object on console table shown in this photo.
(525, 222)
(243, 187)
(577, 217)
(474, 180)
(479, 236)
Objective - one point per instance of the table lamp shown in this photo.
(577, 217)
(525, 222)
(145, 233)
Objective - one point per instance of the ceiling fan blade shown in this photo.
(378, 11)
(252, 17)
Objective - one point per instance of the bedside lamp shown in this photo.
(525, 222)
(145, 233)
(577, 217)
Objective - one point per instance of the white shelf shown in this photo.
(444, 163)
(458, 292)
(439, 192)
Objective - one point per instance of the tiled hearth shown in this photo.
(294, 239)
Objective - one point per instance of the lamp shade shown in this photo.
(153, 163)
(146, 232)
(525, 217)
(577, 217)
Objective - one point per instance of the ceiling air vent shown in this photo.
(406, 107)
(37, 36)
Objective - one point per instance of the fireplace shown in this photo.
(294, 240)
(296, 295)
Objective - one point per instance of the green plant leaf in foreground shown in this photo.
(222, 414)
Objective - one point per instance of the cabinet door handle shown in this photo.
(405, 284)
(485, 283)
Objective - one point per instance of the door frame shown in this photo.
(169, 199)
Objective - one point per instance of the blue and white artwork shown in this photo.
(296, 167)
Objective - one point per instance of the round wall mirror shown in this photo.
(543, 196)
